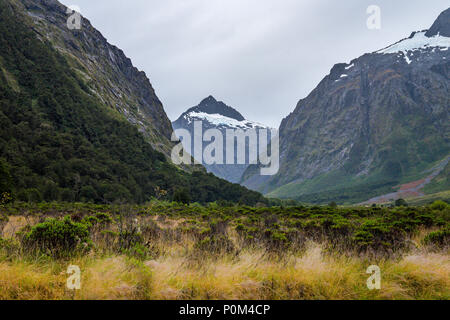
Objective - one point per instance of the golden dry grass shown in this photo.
(251, 275)
(182, 271)
(310, 276)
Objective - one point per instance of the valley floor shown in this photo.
(411, 190)
(172, 251)
(251, 276)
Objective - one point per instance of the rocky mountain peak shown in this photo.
(365, 128)
(217, 115)
(441, 26)
(208, 100)
(210, 105)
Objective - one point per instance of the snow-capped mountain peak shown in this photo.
(217, 115)
(210, 105)
(220, 121)
(435, 39)
(418, 41)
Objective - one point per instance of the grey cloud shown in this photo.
(260, 56)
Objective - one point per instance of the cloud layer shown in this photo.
(259, 56)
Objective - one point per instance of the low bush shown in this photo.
(439, 239)
(134, 230)
(439, 205)
(216, 244)
(9, 248)
(100, 220)
(58, 238)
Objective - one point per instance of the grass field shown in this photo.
(420, 200)
(173, 251)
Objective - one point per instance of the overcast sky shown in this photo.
(259, 56)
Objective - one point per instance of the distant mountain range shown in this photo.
(217, 115)
(370, 126)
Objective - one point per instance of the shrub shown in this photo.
(9, 247)
(5, 198)
(99, 220)
(103, 217)
(59, 238)
(138, 251)
(401, 203)
(129, 239)
(275, 240)
(379, 236)
(363, 238)
(216, 244)
(333, 205)
(215, 238)
(439, 205)
(439, 238)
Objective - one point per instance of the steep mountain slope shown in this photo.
(217, 115)
(370, 125)
(106, 70)
(59, 140)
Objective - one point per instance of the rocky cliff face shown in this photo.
(369, 124)
(217, 115)
(109, 74)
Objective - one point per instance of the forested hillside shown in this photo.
(58, 142)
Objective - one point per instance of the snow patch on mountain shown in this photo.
(418, 42)
(350, 66)
(220, 120)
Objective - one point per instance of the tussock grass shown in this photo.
(193, 252)
(252, 276)
(109, 278)
(310, 276)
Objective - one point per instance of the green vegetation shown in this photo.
(68, 163)
(424, 200)
(58, 237)
(359, 230)
(169, 250)
(401, 203)
(441, 182)
(438, 238)
(59, 142)
(336, 187)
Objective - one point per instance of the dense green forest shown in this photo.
(58, 142)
